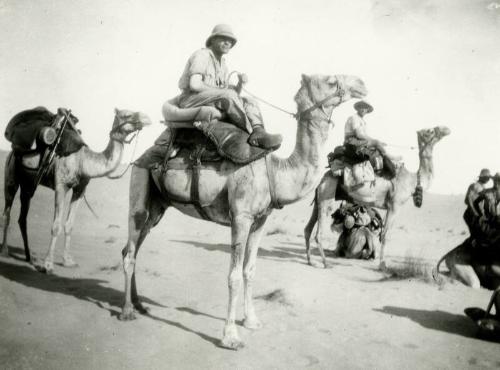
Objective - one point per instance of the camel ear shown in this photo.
(117, 111)
(305, 78)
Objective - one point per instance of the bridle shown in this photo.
(115, 130)
(340, 92)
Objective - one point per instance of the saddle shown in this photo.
(206, 140)
(217, 136)
(32, 131)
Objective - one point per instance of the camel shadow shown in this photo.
(435, 320)
(89, 290)
(275, 252)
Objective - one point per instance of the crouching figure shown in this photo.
(359, 228)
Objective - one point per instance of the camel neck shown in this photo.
(98, 164)
(298, 175)
(426, 167)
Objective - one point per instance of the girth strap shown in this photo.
(195, 182)
(272, 184)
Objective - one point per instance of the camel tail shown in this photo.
(436, 274)
(89, 207)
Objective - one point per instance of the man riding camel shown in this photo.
(205, 83)
(359, 145)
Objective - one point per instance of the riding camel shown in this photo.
(384, 194)
(72, 172)
(242, 196)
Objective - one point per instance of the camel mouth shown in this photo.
(144, 120)
(445, 131)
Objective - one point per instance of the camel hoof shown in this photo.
(382, 266)
(69, 262)
(327, 265)
(48, 268)
(252, 324)
(141, 309)
(232, 343)
(231, 340)
(127, 314)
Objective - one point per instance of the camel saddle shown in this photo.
(25, 129)
(206, 142)
(219, 137)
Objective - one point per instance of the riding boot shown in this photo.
(260, 138)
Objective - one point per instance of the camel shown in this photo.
(72, 172)
(242, 196)
(384, 194)
(470, 268)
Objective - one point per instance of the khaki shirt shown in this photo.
(204, 62)
(354, 124)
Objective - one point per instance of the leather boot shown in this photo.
(260, 138)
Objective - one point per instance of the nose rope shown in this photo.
(340, 93)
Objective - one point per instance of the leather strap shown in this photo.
(272, 184)
(195, 182)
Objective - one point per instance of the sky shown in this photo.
(425, 63)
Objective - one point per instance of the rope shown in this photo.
(403, 146)
(268, 103)
(262, 100)
(130, 162)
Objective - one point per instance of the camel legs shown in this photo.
(458, 262)
(60, 194)
(144, 213)
(76, 199)
(240, 228)
(309, 229)
(390, 216)
(249, 268)
(23, 223)
(11, 185)
(326, 202)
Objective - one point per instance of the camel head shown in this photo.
(127, 122)
(428, 137)
(330, 91)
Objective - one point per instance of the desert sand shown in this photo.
(350, 316)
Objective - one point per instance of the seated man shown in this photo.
(205, 83)
(476, 262)
(359, 145)
(359, 229)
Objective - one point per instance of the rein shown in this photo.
(124, 141)
(340, 92)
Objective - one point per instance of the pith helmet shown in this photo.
(222, 30)
(485, 173)
(361, 105)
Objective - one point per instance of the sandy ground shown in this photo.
(350, 316)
